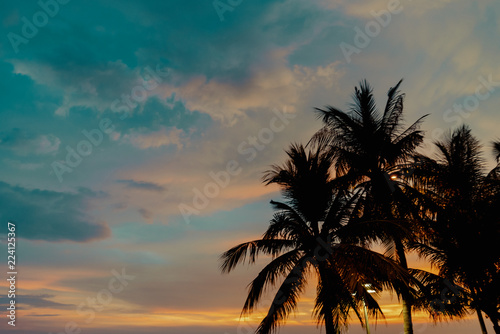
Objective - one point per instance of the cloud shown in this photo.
(284, 89)
(92, 75)
(364, 10)
(169, 113)
(36, 301)
(24, 142)
(44, 315)
(23, 165)
(274, 82)
(51, 215)
(143, 185)
(144, 138)
(146, 214)
(47, 144)
(86, 85)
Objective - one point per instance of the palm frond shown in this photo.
(393, 112)
(333, 301)
(367, 266)
(280, 266)
(287, 219)
(285, 300)
(231, 258)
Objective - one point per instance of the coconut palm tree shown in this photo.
(309, 233)
(371, 149)
(462, 238)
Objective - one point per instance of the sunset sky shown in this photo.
(162, 97)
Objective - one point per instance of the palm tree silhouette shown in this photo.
(310, 233)
(371, 150)
(461, 239)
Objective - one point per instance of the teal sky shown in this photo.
(117, 115)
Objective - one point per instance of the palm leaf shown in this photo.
(280, 266)
(231, 258)
(285, 301)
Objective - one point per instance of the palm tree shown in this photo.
(462, 238)
(309, 233)
(371, 149)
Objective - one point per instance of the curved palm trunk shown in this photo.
(481, 321)
(408, 324)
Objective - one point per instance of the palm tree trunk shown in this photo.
(481, 321)
(365, 311)
(496, 327)
(493, 315)
(408, 324)
(329, 327)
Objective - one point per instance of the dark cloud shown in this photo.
(14, 138)
(193, 38)
(143, 185)
(170, 112)
(25, 142)
(50, 215)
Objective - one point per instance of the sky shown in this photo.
(134, 136)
